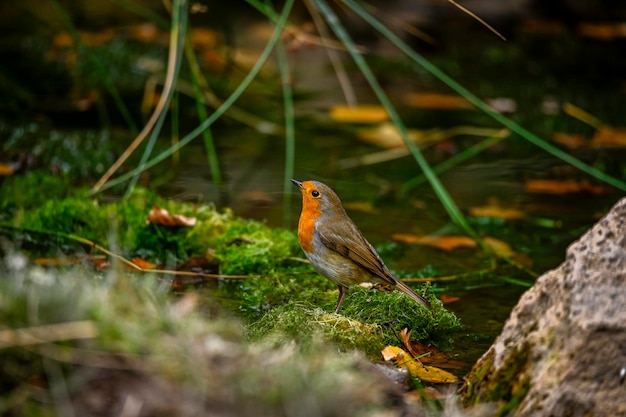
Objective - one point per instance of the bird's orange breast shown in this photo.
(306, 226)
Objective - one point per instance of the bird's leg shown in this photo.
(342, 294)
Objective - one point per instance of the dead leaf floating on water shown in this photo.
(557, 187)
(163, 217)
(570, 140)
(359, 114)
(447, 243)
(437, 101)
(496, 211)
(609, 137)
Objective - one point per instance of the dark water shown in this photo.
(531, 70)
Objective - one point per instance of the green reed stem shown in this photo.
(200, 85)
(453, 211)
(177, 38)
(290, 131)
(514, 127)
(220, 110)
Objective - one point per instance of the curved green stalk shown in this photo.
(177, 38)
(219, 111)
(290, 132)
(505, 121)
(453, 211)
(200, 85)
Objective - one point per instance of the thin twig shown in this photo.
(472, 14)
(161, 106)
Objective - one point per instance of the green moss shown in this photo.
(26, 192)
(282, 295)
(307, 323)
(301, 306)
(78, 216)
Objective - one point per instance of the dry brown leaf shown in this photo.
(100, 262)
(6, 169)
(605, 31)
(446, 243)
(359, 114)
(405, 338)
(609, 137)
(437, 101)
(145, 32)
(447, 299)
(428, 354)
(163, 217)
(97, 38)
(143, 264)
(557, 187)
(570, 140)
(204, 38)
(496, 211)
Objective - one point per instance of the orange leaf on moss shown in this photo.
(163, 217)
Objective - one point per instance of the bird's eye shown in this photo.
(315, 193)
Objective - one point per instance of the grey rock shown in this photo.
(563, 349)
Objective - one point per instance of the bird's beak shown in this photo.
(297, 183)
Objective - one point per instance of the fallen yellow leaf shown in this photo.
(359, 114)
(497, 212)
(446, 243)
(565, 187)
(416, 368)
(390, 353)
(570, 140)
(6, 169)
(430, 373)
(437, 101)
(609, 137)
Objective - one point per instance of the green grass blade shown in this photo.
(177, 38)
(290, 131)
(453, 211)
(199, 87)
(514, 127)
(274, 38)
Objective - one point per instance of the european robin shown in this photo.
(336, 247)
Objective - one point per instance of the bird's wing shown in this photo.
(355, 247)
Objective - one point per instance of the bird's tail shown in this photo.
(408, 291)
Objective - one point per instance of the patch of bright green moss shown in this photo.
(282, 295)
(369, 319)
